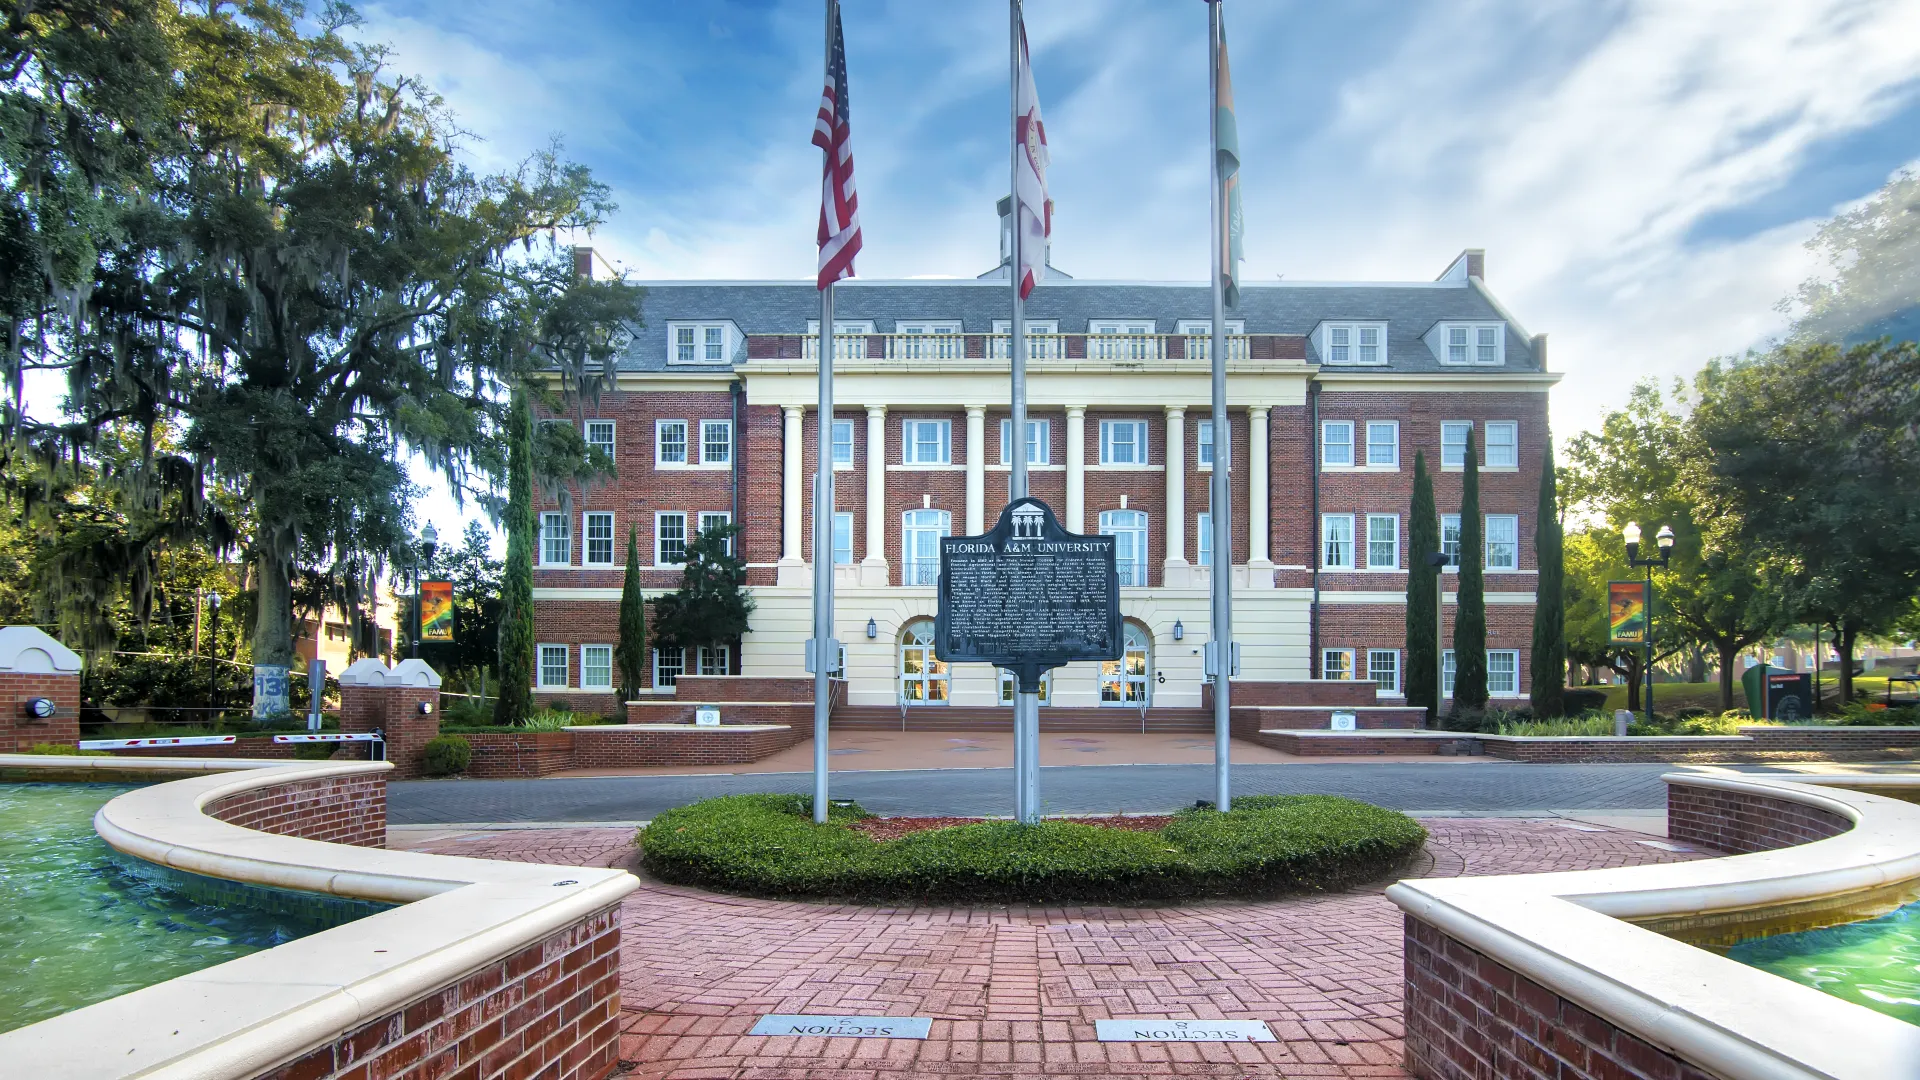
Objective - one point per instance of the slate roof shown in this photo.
(764, 307)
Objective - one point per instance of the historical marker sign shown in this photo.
(1028, 596)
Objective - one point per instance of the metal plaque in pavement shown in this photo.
(1028, 596)
(845, 1027)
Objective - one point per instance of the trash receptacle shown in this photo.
(1789, 696)
(1754, 682)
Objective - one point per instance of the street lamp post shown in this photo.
(429, 542)
(1664, 539)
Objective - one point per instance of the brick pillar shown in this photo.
(34, 666)
(376, 697)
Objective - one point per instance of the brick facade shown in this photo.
(1742, 822)
(336, 809)
(615, 747)
(20, 731)
(551, 1010)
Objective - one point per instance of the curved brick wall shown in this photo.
(1741, 822)
(336, 809)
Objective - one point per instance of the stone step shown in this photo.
(974, 718)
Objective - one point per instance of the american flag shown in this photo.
(839, 233)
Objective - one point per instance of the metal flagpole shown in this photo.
(824, 650)
(1026, 706)
(1220, 496)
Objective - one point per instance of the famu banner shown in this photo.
(1627, 612)
(436, 611)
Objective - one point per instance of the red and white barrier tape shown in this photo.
(329, 737)
(177, 740)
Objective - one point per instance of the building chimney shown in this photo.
(590, 265)
(1469, 263)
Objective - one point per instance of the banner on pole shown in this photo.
(1627, 612)
(436, 611)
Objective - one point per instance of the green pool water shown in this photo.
(1875, 963)
(77, 927)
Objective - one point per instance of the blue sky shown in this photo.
(1641, 175)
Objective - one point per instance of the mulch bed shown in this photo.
(894, 828)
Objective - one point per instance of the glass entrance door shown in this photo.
(1124, 682)
(923, 677)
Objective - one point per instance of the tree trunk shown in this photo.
(1843, 644)
(1729, 653)
(272, 635)
(1696, 664)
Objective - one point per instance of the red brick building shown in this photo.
(1333, 388)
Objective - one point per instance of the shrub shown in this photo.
(314, 751)
(47, 748)
(1585, 700)
(1589, 725)
(1724, 724)
(768, 845)
(466, 712)
(551, 719)
(1858, 715)
(446, 755)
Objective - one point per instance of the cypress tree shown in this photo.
(630, 655)
(1423, 594)
(1549, 606)
(1470, 612)
(515, 703)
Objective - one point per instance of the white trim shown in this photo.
(686, 444)
(540, 666)
(587, 427)
(1444, 424)
(654, 674)
(1486, 460)
(1474, 340)
(1372, 678)
(1207, 426)
(1351, 562)
(1142, 444)
(586, 539)
(1383, 466)
(1352, 461)
(612, 675)
(1399, 596)
(1486, 537)
(701, 343)
(1043, 443)
(723, 425)
(1371, 565)
(833, 435)
(1342, 342)
(908, 443)
(701, 520)
(1336, 650)
(658, 517)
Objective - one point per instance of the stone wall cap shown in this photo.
(366, 671)
(29, 650)
(413, 672)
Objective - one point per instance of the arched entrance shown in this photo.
(1126, 682)
(923, 676)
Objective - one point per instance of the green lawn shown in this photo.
(1668, 697)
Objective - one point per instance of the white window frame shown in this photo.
(926, 339)
(838, 427)
(1352, 344)
(1203, 443)
(1446, 427)
(1473, 344)
(1392, 562)
(693, 344)
(849, 339)
(1494, 689)
(594, 427)
(1447, 670)
(1039, 442)
(1132, 571)
(1344, 426)
(660, 517)
(548, 540)
(915, 570)
(910, 445)
(715, 659)
(1327, 540)
(1453, 556)
(540, 666)
(1510, 444)
(707, 519)
(842, 518)
(1341, 669)
(585, 667)
(725, 428)
(1392, 460)
(1199, 335)
(1373, 673)
(587, 521)
(1122, 339)
(1511, 561)
(1044, 340)
(660, 458)
(1141, 456)
(674, 670)
(1203, 539)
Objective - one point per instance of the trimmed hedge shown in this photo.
(446, 755)
(768, 845)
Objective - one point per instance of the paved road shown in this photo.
(1502, 786)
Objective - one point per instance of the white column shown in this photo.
(1259, 454)
(792, 569)
(873, 568)
(1077, 468)
(976, 469)
(1176, 487)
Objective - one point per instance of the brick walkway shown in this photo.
(1015, 991)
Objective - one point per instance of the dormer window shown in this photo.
(1353, 343)
(700, 343)
(1472, 344)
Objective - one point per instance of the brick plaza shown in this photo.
(1015, 991)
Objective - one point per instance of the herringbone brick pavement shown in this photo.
(1014, 991)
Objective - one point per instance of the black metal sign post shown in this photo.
(1028, 596)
